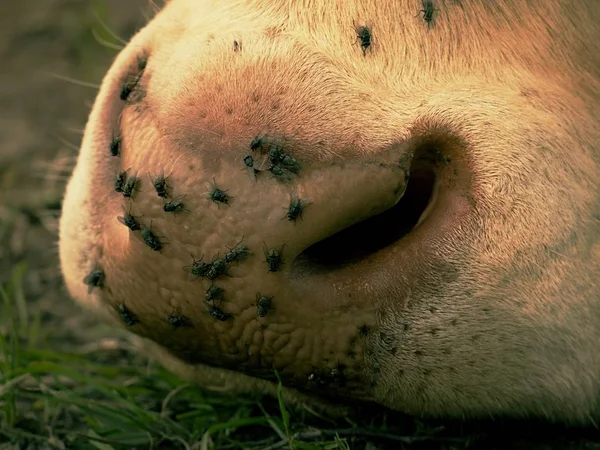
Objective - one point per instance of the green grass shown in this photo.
(112, 398)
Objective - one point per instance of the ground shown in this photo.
(67, 380)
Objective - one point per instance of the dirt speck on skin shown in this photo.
(41, 124)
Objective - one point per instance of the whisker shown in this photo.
(48, 170)
(65, 142)
(65, 160)
(108, 30)
(73, 130)
(146, 15)
(154, 6)
(57, 170)
(559, 254)
(105, 43)
(74, 81)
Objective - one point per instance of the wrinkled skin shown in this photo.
(467, 148)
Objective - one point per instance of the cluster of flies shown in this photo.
(126, 185)
(276, 160)
(280, 164)
(219, 267)
(212, 270)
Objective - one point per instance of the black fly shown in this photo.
(257, 143)
(128, 317)
(290, 163)
(217, 268)
(263, 304)
(364, 36)
(177, 320)
(249, 163)
(428, 10)
(295, 209)
(174, 206)
(129, 186)
(129, 220)
(276, 154)
(214, 292)
(217, 313)
(237, 253)
(115, 146)
(274, 258)
(120, 180)
(277, 172)
(217, 195)
(151, 239)
(94, 279)
(142, 62)
(198, 268)
(130, 86)
(160, 185)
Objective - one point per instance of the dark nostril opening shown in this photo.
(371, 235)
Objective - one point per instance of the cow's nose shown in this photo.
(377, 216)
(236, 247)
(325, 217)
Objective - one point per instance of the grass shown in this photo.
(65, 400)
(109, 397)
(106, 396)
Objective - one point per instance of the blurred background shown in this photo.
(53, 54)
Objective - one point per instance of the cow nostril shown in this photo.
(358, 241)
